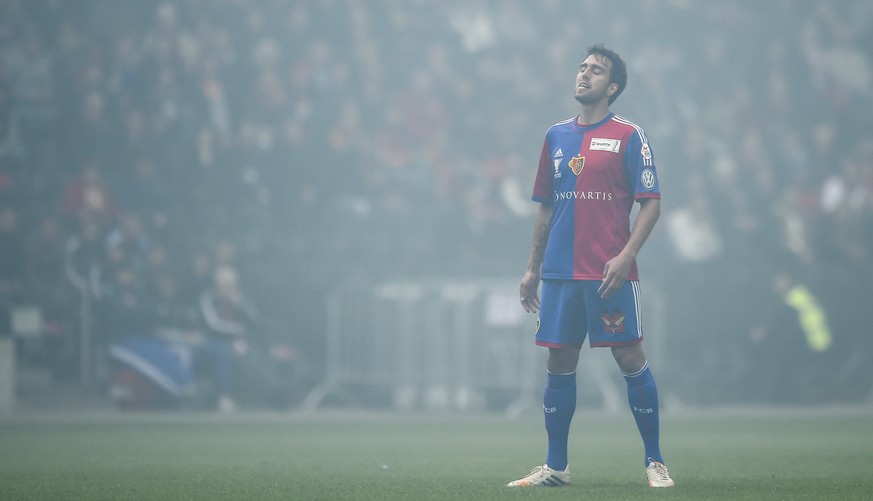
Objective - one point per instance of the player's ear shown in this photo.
(612, 89)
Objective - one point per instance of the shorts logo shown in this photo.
(577, 164)
(647, 177)
(613, 324)
(537, 330)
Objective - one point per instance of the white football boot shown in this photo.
(657, 474)
(543, 476)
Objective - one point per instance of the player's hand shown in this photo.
(615, 272)
(530, 298)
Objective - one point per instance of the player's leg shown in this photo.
(559, 403)
(642, 395)
(562, 329)
(619, 327)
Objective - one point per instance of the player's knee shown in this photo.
(630, 359)
(563, 360)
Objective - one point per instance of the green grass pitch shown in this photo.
(410, 457)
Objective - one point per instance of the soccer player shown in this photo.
(592, 168)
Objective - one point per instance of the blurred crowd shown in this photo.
(146, 145)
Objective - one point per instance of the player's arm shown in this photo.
(616, 270)
(530, 282)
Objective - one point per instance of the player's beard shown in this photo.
(590, 98)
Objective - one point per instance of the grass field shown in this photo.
(425, 457)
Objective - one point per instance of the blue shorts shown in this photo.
(572, 310)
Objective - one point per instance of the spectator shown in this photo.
(125, 310)
(229, 320)
(45, 278)
(85, 258)
(88, 196)
(12, 265)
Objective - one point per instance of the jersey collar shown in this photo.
(592, 126)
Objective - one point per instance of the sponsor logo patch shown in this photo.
(601, 144)
(582, 195)
(647, 177)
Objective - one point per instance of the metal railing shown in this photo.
(442, 345)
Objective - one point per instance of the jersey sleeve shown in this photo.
(639, 163)
(543, 191)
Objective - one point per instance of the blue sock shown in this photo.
(642, 395)
(559, 404)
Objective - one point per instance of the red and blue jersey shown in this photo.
(592, 174)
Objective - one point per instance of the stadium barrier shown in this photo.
(443, 345)
(7, 375)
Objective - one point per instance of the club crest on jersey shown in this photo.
(576, 164)
(647, 177)
(556, 160)
(614, 323)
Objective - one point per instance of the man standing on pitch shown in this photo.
(592, 168)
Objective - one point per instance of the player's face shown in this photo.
(592, 81)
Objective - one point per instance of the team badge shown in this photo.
(614, 323)
(646, 152)
(576, 164)
(647, 177)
